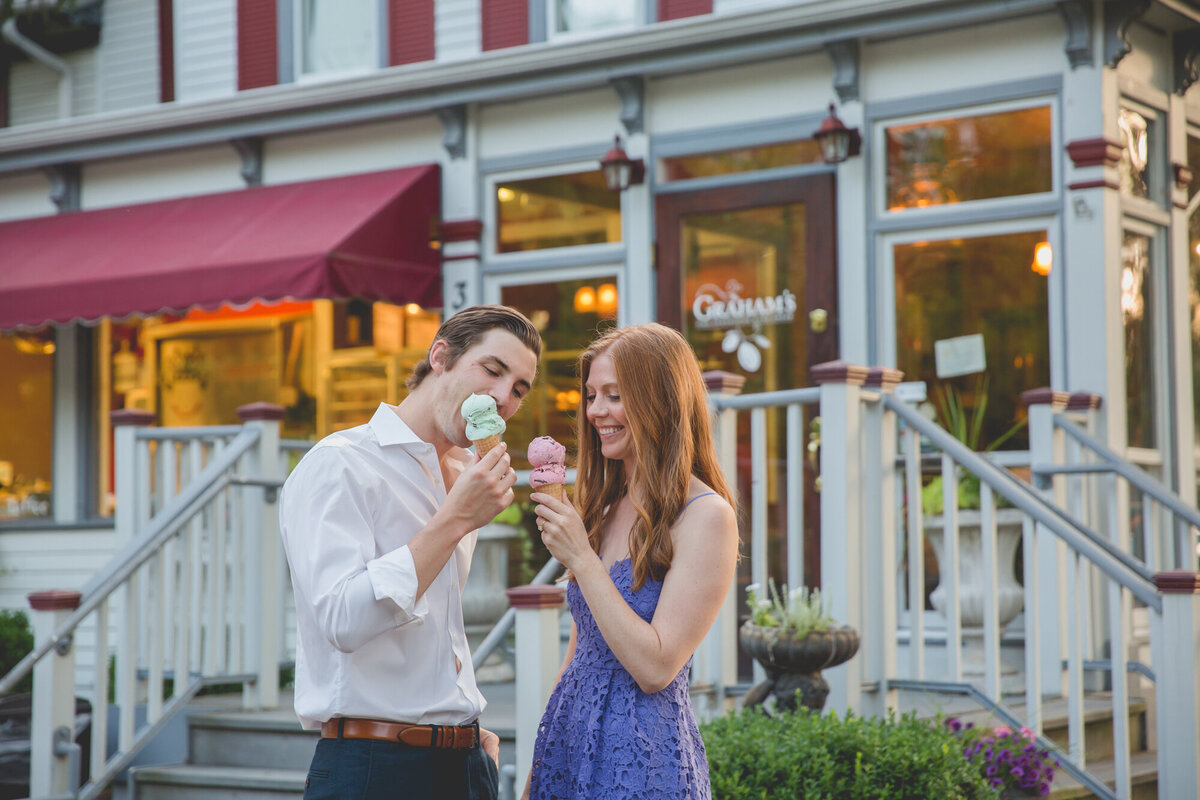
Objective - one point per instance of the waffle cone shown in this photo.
(483, 446)
(555, 490)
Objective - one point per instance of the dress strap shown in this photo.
(694, 499)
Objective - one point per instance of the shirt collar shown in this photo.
(390, 429)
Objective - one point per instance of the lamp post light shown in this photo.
(621, 171)
(837, 142)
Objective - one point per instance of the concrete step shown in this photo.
(1143, 768)
(200, 782)
(250, 739)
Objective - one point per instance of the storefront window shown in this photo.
(1136, 136)
(580, 16)
(988, 286)
(1137, 311)
(569, 314)
(556, 211)
(946, 161)
(1193, 150)
(27, 397)
(740, 159)
(336, 35)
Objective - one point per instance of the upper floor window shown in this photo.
(1138, 151)
(556, 211)
(336, 36)
(592, 16)
(739, 159)
(983, 156)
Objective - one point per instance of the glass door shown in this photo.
(748, 275)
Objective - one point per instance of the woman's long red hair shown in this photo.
(666, 408)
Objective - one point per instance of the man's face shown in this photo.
(500, 365)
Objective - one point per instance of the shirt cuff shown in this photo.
(394, 577)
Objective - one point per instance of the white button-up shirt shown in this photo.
(365, 647)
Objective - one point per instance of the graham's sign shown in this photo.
(714, 307)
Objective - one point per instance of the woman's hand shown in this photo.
(562, 531)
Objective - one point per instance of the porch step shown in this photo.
(203, 782)
(1143, 771)
(251, 739)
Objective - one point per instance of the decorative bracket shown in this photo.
(64, 185)
(454, 130)
(1187, 59)
(844, 54)
(632, 92)
(1077, 17)
(1118, 16)
(251, 152)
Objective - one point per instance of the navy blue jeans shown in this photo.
(367, 769)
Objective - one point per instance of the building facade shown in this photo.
(210, 203)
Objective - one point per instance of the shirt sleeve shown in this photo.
(325, 516)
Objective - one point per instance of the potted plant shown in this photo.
(793, 639)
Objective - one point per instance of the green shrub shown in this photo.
(756, 756)
(16, 642)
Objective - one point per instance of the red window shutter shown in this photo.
(258, 43)
(410, 31)
(166, 51)
(678, 9)
(505, 23)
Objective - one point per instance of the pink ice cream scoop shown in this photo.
(547, 457)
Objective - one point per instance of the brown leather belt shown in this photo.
(448, 737)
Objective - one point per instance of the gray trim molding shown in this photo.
(285, 40)
(542, 158)
(250, 149)
(964, 98)
(632, 92)
(64, 185)
(1118, 16)
(844, 54)
(537, 21)
(454, 130)
(727, 137)
(1077, 18)
(556, 258)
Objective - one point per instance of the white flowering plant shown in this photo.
(802, 613)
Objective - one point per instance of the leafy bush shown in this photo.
(754, 756)
(16, 641)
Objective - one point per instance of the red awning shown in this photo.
(365, 236)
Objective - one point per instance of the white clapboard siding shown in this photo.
(33, 89)
(34, 561)
(205, 49)
(457, 25)
(128, 55)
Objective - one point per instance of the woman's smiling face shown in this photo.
(606, 413)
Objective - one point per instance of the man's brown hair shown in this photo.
(467, 328)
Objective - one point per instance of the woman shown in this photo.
(650, 548)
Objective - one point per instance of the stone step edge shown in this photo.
(220, 777)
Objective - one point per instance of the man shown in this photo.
(379, 523)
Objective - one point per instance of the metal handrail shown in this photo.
(1115, 564)
(1138, 477)
(783, 397)
(507, 620)
(209, 481)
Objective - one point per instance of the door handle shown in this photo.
(818, 320)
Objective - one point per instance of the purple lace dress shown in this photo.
(603, 738)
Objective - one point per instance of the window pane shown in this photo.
(337, 35)
(741, 159)
(1135, 153)
(984, 285)
(1193, 160)
(1194, 313)
(593, 15)
(1137, 311)
(558, 211)
(568, 314)
(27, 394)
(969, 158)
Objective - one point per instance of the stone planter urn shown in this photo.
(795, 663)
(484, 600)
(1010, 597)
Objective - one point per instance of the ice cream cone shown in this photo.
(555, 490)
(483, 446)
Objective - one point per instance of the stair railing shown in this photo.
(193, 595)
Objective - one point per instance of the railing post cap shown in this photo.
(1084, 401)
(721, 382)
(130, 416)
(838, 372)
(54, 600)
(883, 378)
(1044, 396)
(536, 596)
(260, 410)
(1178, 581)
